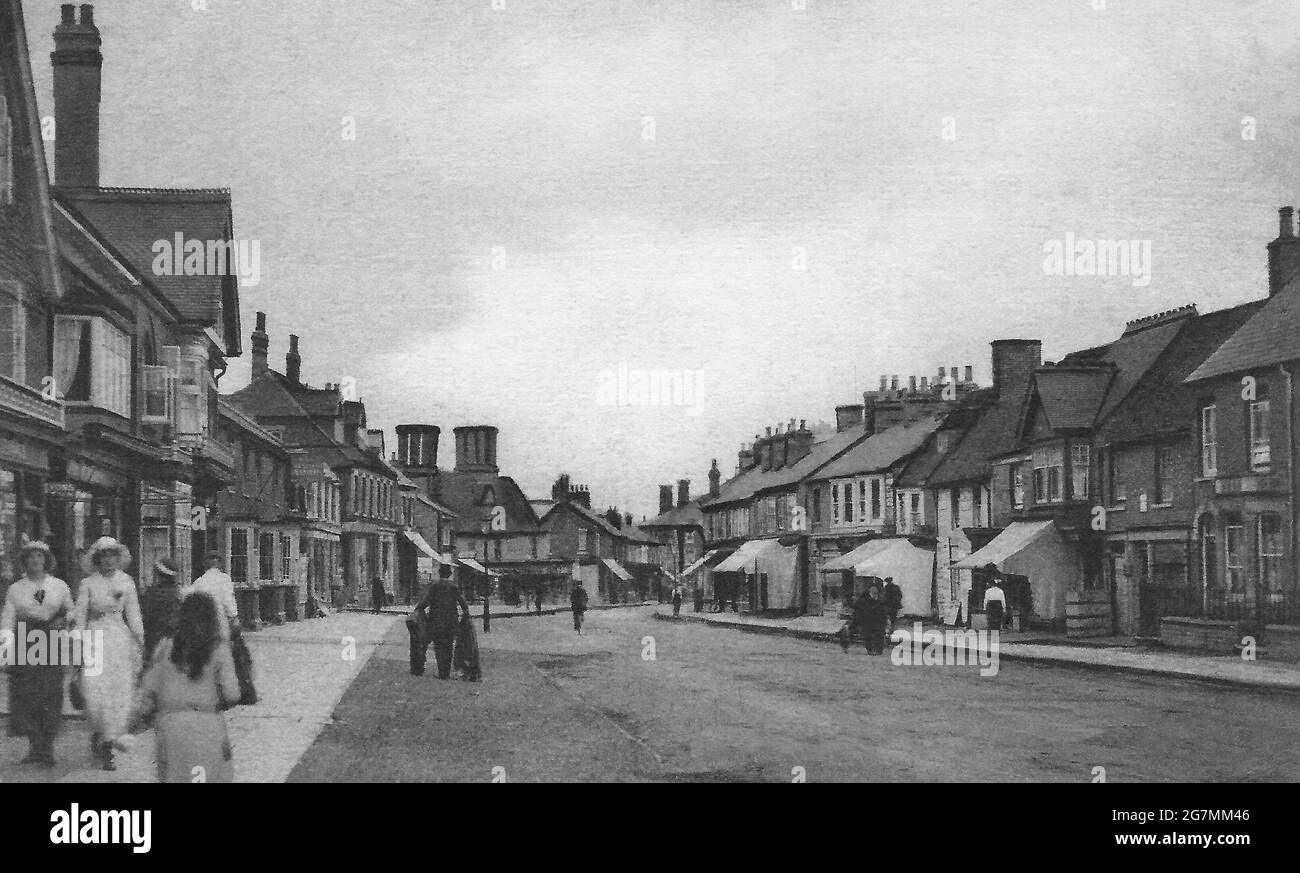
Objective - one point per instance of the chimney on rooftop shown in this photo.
(683, 492)
(847, 416)
(1283, 253)
(260, 344)
(476, 449)
(665, 498)
(1014, 362)
(715, 479)
(293, 361)
(970, 373)
(77, 64)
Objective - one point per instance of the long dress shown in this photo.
(110, 604)
(36, 690)
(193, 745)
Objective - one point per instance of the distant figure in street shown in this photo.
(578, 600)
(893, 601)
(677, 600)
(376, 595)
(435, 620)
(699, 598)
(995, 601)
(160, 607)
(539, 598)
(870, 616)
(487, 614)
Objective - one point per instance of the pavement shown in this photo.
(506, 611)
(301, 669)
(637, 699)
(1118, 654)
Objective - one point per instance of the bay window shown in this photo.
(93, 363)
(1049, 474)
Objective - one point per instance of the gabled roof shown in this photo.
(882, 450)
(1071, 397)
(228, 406)
(984, 421)
(1271, 336)
(462, 492)
(583, 512)
(687, 515)
(134, 219)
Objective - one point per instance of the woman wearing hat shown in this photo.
(107, 602)
(37, 602)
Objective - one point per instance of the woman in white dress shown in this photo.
(38, 604)
(107, 602)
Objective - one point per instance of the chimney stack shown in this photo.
(911, 384)
(884, 384)
(847, 416)
(476, 449)
(925, 384)
(1283, 253)
(293, 361)
(665, 498)
(683, 492)
(417, 447)
(715, 479)
(77, 66)
(260, 340)
(970, 373)
(893, 383)
(954, 375)
(1014, 362)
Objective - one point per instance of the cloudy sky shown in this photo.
(787, 202)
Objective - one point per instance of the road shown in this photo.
(721, 705)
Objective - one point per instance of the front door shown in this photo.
(1126, 585)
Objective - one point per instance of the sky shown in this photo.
(778, 203)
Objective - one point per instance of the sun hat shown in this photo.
(38, 546)
(104, 544)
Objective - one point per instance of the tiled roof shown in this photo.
(688, 515)
(228, 406)
(1132, 355)
(462, 492)
(135, 218)
(756, 479)
(1071, 397)
(882, 450)
(1271, 336)
(980, 423)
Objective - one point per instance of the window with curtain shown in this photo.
(1049, 474)
(835, 504)
(93, 363)
(266, 556)
(862, 500)
(875, 498)
(1260, 449)
(1234, 555)
(1269, 530)
(286, 557)
(1017, 485)
(1080, 468)
(1209, 441)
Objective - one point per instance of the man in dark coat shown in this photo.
(893, 601)
(377, 594)
(870, 617)
(578, 600)
(539, 598)
(160, 606)
(435, 620)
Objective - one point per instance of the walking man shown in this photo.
(578, 600)
(893, 601)
(677, 600)
(434, 621)
(376, 594)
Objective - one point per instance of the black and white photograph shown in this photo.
(652, 391)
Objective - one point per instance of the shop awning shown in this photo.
(422, 545)
(910, 566)
(850, 560)
(617, 569)
(1017, 537)
(744, 557)
(476, 566)
(700, 563)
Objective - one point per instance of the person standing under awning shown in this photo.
(995, 600)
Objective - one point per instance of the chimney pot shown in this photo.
(925, 384)
(954, 375)
(87, 14)
(893, 382)
(69, 13)
(911, 384)
(884, 383)
(1286, 222)
(970, 373)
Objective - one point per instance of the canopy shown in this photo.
(475, 565)
(423, 546)
(700, 563)
(1035, 550)
(910, 566)
(743, 558)
(617, 569)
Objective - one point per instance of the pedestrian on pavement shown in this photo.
(893, 601)
(870, 617)
(435, 620)
(160, 606)
(677, 600)
(487, 614)
(377, 595)
(995, 600)
(539, 598)
(578, 602)
(184, 693)
(221, 588)
(42, 603)
(699, 598)
(107, 603)
(218, 585)
(466, 655)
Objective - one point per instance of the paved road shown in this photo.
(720, 705)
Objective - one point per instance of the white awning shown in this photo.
(617, 569)
(475, 565)
(1018, 536)
(421, 544)
(698, 564)
(850, 560)
(744, 557)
